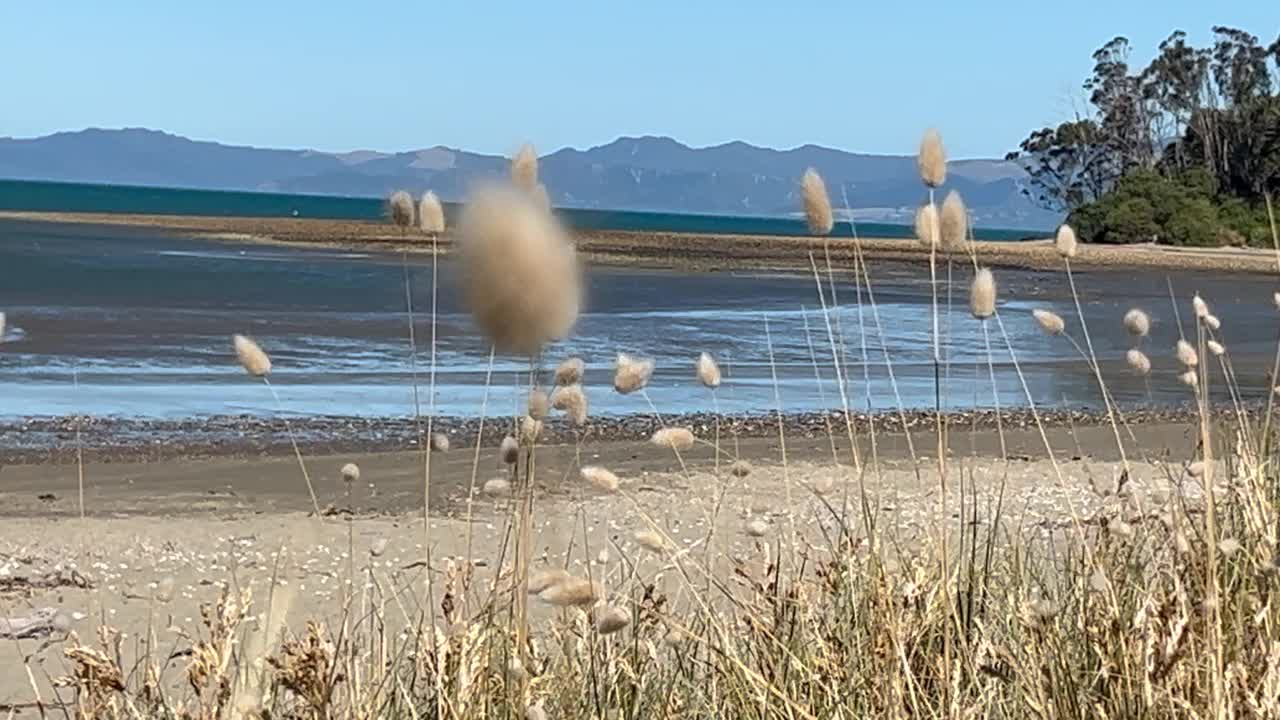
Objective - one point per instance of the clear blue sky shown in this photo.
(487, 76)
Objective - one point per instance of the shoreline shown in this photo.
(685, 251)
(53, 440)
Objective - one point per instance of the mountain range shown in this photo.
(630, 173)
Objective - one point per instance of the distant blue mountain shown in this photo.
(630, 173)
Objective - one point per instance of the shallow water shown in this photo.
(128, 322)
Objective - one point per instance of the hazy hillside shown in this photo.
(630, 173)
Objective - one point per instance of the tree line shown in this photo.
(1184, 151)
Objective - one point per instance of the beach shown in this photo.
(693, 252)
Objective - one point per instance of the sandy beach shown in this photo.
(693, 252)
(190, 529)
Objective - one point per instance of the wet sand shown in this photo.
(687, 251)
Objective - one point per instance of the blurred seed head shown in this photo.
(954, 223)
(1138, 361)
(1186, 354)
(1200, 306)
(497, 487)
(439, 442)
(1212, 322)
(1275, 298)
(1065, 242)
(932, 160)
(927, 225)
(572, 401)
(431, 214)
(519, 271)
(350, 472)
(252, 358)
(544, 579)
(524, 169)
(400, 209)
(378, 547)
(2, 321)
(539, 404)
(650, 540)
(1189, 378)
(1196, 469)
(1050, 322)
(982, 294)
(535, 712)
(572, 592)
(708, 371)
(1137, 322)
(757, 527)
(601, 478)
(1120, 528)
(631, 373)
(1215, 347)
(817, 205)
(166, 588)
(676, 438)
(509, 450)
(541, 197)
(610, 620)
(571, 371)
(740, 468)
(530, 430)
(1228, 547)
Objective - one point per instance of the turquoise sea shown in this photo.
(25, 195)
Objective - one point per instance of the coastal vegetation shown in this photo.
(1156, 597)
(1184, 151)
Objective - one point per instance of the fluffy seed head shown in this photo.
(600, 477)
(982, 294)
(1228, 546)
(439, 442)
(570, 371)
(252, 358)
(1200, 306)
(932, 159)
(1215, 347)
(572, 401)
(740, 468)
(1137, 322)
(954, 223)
(497, 487)
(927, 225)
(1212, 322)
(1138, 361)
(350, 472)
(572, 592)
(509, 450)
(430, 214)
(1275, 298)
(708, 371)
(400, 209)
(524, 169)
(817, 205)
(1196, 469)
(1186, 354)
(1189, 378)
(378, 547)
(530, 430)
(1050, 322)
(611, 619)
(1065, 242)
(676, 438)
(1, 327)
(631, 373)
(650, 540)
(544, 579)
(539, 405)
(519, 270)
(757, 528)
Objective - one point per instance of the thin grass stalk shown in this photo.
(835, 363)
(1093, 364)
(782, 438)
(1213, 590)
(862, 330)
(817, 378)
(941, 435)
(475, 461)
(293, 440)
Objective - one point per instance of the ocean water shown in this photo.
(115, 321)
(76, 197)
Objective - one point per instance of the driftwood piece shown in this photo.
(39, 623)
(49, 580)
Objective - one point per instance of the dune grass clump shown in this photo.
(519, 271)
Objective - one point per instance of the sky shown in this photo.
(489, 76)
